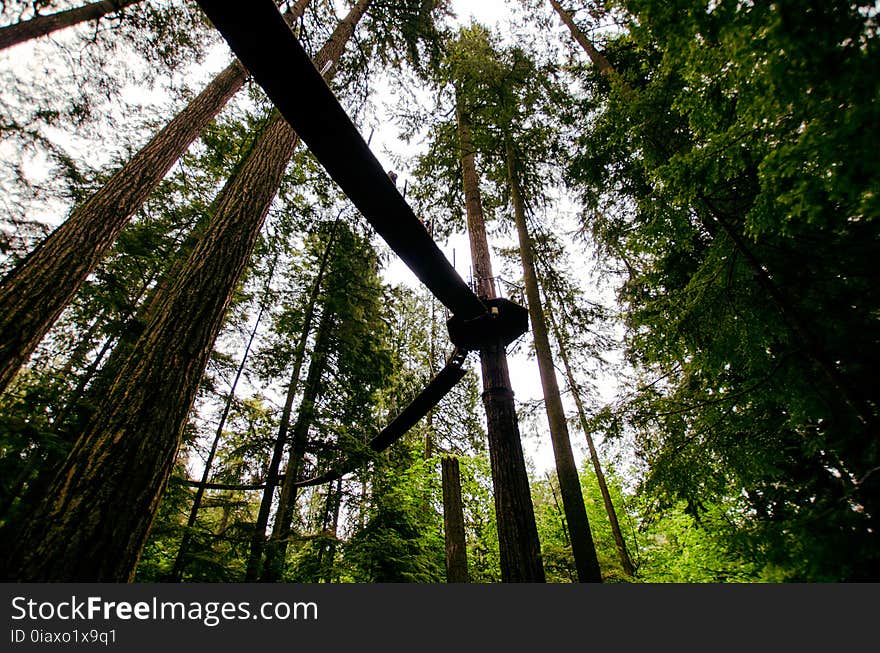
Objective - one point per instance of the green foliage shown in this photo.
(559, 566)
(406, 31)
(718, 178)
(397, 529)
(44, 409)
(481, 531)
(358, 360)
(676, 547)
(672, 544)
(220, 537)
(401, 541)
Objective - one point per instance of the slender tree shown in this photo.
(513, 129)
(619, 541)
(598, 58)
(281, 531)
(180, 559)
(325, 61)
(329, 531)
(281, 441)
(582, 544)
(347, 365)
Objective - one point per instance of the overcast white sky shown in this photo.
(487, 12)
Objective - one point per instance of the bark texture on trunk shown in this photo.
(34, 294)
(484, 279)
(95, 518)
(36, 291)
(180, 559)
(453, 522)
(520, 551)
(582, 545)
(97, 513)
(42, 25)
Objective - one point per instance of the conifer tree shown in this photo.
(281, 440)
(348, 362)
(180, 559)
(737, 271)
(37, 290)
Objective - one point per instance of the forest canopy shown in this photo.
(212, 370)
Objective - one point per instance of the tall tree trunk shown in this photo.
(42, 25)
(35, 293)
(37, 290)
(147, 309)
(45, 462)
(619, 541)
(517, 533)
(453, 522)
(598, 59)
(327, 542)
(276, 550)
(180, 559)
(582, 545)
(253, 567)
(325, 61)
